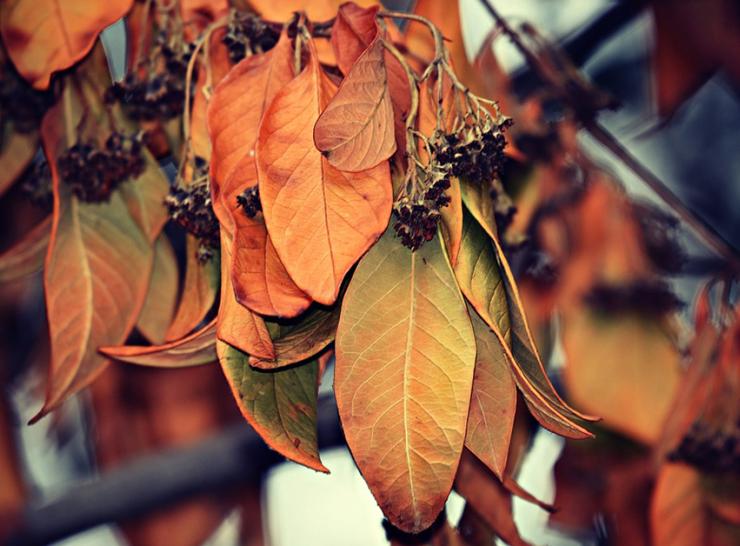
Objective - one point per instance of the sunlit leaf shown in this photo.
(27, 255)
(44, 36)
(320, 219)
(405, 357)
(193, 350)
(161, 298)
(279, 404)
(355, 130)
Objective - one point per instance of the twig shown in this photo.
(235, 457)
(710, 236)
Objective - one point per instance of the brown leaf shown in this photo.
(27, 255)
(44, 36)
(316, 10)
(201, 284)
(405, 358)
(355, 130)
(354, 30)
(677, 512)
(321, 220)
(237, 325)
(16, 152)
(193, 350)
(485, 494)
(161, 298)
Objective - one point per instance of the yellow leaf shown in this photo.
(405, 357)
(161, 298)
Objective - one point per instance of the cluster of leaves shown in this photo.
(344, 190)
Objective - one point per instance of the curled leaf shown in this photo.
(193, 350)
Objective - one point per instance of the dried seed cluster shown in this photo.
(646, 296)
(249, 201)
(93, 172)
(475, 152)
(36, 184)
(417, 215)
(20, 103)
(710, 449)
(157, 89)
(189, 205)
(247, 34)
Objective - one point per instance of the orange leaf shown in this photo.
(44, 36)
(161, 298)
(485, 494)
(96, 276)
(193, 350)
(405, 358)
(316, 10)
(198, 292)
(234, 113)
(493, 401)
(677, 512)
(320, 219)
(355, 130)
(237, 325)
(27, 255)
(354, 30)
(261, 282)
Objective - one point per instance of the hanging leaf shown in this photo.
(16, 152)
(27, 255)
(355, 130)
(490, 500)
(237, 325)
(144, 198)
(45, 36)
(159, 304)
(96, 276)
(279, 404)
(354, 30)
(405, 357)
(320, 219)
(302, 338)
(638, 356)
(193, 350)
(201, 284)
(677, 514)
(492, 402)
(479, 275)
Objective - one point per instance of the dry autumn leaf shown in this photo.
(43, 37)
(27, 255)
(161, 298)
(16, 152)
(320, 219)
(355, 130)
(402, 391)
(677, 514)
(279, 404)
(196, 349)
(316, 10)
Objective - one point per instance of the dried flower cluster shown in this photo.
(247, 34)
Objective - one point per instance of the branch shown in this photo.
(707, 233)
(237, 456)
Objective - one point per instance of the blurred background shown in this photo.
(688, 137)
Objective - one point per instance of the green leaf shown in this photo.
(279, 404)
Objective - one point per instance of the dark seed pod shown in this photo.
(21, 104)
(709, 448)
(247, 34)
(249, 201)
(36, 184)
